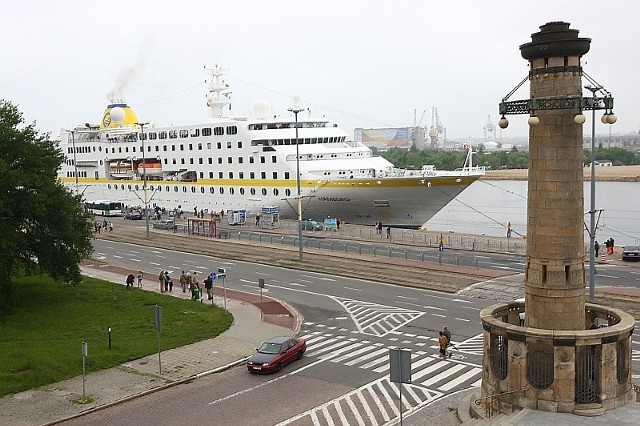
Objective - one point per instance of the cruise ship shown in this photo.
(251, 163)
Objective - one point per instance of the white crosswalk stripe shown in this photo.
(635, 355)
(471, 346)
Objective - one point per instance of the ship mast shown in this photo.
(218, 96)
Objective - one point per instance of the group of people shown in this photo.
(607, 244)
(104, 226)
(131, 278)
(166, 283)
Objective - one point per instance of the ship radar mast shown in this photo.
(219, 96)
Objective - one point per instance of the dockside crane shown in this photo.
(436, 129)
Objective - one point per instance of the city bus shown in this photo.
(104, 208)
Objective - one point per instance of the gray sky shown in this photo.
(360, 63)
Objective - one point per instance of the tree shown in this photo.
(44, 227)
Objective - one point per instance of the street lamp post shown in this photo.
(592, 209)
(144, 179)
(75, 164)
(295, 111)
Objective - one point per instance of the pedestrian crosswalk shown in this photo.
(428, 369)
(635, 355)
(376, 403)
(375, 319)
(471, 346)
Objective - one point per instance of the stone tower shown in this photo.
(569, 356)
(554, 276)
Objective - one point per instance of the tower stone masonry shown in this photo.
(554, 278)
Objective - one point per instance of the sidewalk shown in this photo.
(52, 403)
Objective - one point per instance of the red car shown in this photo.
(275, 353)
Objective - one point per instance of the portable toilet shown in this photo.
(237, 217)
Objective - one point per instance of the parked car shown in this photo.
(311, 225)
(133, 215)
(631, 253)
(275, 353)
(165, 224)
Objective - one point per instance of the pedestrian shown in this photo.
(441, 243)
(140, 275)
(612, 245)
(447, 335)
(130, 279)
(257, 219)
(161, 279)
(208, 285)
(509, 230)
(196, 281)
(168, 282)
(110, 226)
(338, 223)
(388, 232)
(442, 342)
(596, 248)
(183, 282)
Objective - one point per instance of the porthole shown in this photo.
(287, 192)
(275, 191)
(241, 191)
(231, 191)
(221, 190)
(253, 191)
(202, 189)
(264, 191)
(175, 188)
(211, 190)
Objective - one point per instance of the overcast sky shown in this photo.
(360, 63)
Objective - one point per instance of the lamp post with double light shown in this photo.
(295, 112)
(144, 179)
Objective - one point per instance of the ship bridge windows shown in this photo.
(199, 146)
(152, 136)
(239, 144)
(251, 160)
(240, 159)
(182, 160)
(268, 148)
(286, 175)
(230, 175)
(252, 175)
(195, 133)
(220, 175)
(162, 135)
(208, 145)
(206, 131)
(219, 160)
(263, 175)
(210, 175)
(240, 175)
(262, 159)
(184, 133)
(229, 160)
(275, 175)
(228, 144)
(190, 147)
(273, 159)
(232, 130)
(218, 131)
(219, 145)
(200, 160)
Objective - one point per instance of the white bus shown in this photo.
(104, 207)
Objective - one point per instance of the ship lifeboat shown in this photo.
(152, 169)
(120, 168)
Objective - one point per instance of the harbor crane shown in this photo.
(436, 129)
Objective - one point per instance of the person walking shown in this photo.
(442, 342)
(441, 243)
(388, 232)
(140, 275)
(208, 285)
(162, 281)
(447, 335)
(596, 248)
(183, 282)
(168, 282)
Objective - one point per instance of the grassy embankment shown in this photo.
(41, 341)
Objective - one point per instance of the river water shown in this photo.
(488, 205)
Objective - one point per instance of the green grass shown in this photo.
(41, 341)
